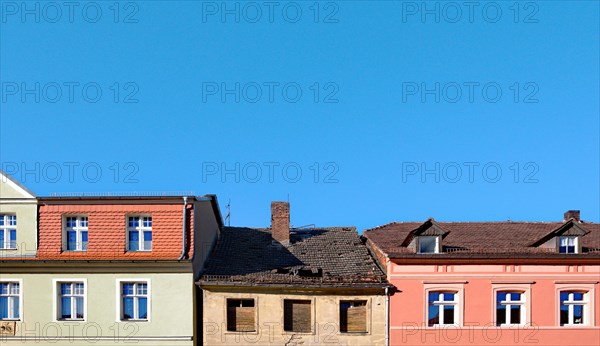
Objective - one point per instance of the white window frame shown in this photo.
(140, 229)
(78, 229)
(568, 237)
(441, 304)
(570, 303)
(6, 228)
(508, 303)
(119, 295)
(437, 244)
(20, 283)
(56, 302)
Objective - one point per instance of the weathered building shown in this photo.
(284, 285)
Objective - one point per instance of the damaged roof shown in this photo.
(316, 257)
(486, 239)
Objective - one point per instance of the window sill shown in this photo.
(355, 333)
(75, 250)
(133, 320)
(138, 251)
(10, 319)
(70, 319)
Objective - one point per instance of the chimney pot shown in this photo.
(280, 222)
(573, 214)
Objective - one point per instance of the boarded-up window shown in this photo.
(297, 316)
(353, 316)
(240, 315)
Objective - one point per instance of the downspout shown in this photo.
(387, 316)
(183, 242)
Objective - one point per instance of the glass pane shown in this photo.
(12, 238)
(427, 244)
(449, 297)
(147, 240)
(84, 240)
(564, 314)
(448, 314)
(65, 304)
(142, 289)
(3, 307)
(127, 289)
(515, 314)
(79, 288)
(2, 219)
(143, 308)
(515, 297)
(564, 296)
(433, 315)
(134, 238)
(1, 239)
(500, 315)
(434, 296)
(71, 240)
(14, 288)
(577, 296)
(147, 222)
(65, 288)
(84, 222)
(4, 289)
(79, 306)
(12, 220)
(132, 222)
(15, 313)
(127, 308)
(578, 314)
(501, 296)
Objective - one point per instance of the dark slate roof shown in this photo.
(485, 239)
(321, 257)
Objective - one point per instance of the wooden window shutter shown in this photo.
(240, 315)
(353, 316)
(297, 316)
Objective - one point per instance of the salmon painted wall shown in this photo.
(476, 286)
(107, 231)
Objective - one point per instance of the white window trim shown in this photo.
(78, 229)
(119, 301)
(458, 289)
(525, 290)
(56, 294)
(577, 248)
(588, 300)
(4, 229)
(437, 244)
(140, 230)
(20, 282)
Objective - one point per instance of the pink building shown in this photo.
(492, 283)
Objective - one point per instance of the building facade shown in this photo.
(502, 283)
(106, 270)
(290, 286)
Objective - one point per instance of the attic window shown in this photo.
(569, 244)
(429, 244)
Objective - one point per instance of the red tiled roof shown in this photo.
(483, 239)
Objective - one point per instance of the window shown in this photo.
(10, 296)
(72, 300)
(510, 308)
(429, 244)
(134, 301)
(573, 306)
(139, 233)
(297, 316)
(353, 316)
(442, 308)
(240, 315)
(8, 231)
(568, 245)
(77, 233)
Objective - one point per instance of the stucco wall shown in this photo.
(170, 321)
(477, 303)
(269, 308)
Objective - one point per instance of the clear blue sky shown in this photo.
(371, 129)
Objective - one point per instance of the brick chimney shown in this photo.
(280, 222)
(573, 214)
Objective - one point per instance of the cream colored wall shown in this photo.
(269, 308)
(13, 201)
(170, 321)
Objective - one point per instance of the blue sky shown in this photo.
(359, 112)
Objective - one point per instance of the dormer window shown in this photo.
(429, 244)
(568, 244)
